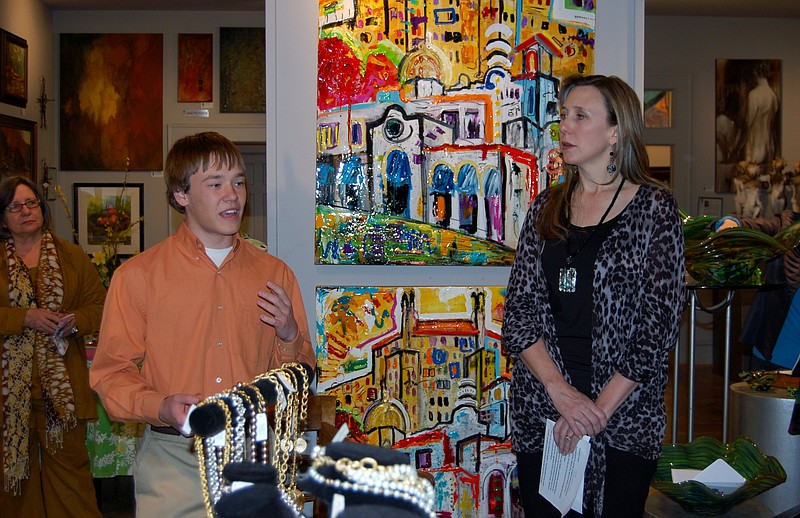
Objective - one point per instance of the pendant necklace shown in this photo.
(568, 276)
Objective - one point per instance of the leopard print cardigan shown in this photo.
(639, 295)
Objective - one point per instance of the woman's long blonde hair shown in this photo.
(630, 157)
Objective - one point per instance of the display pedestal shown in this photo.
(764, 417)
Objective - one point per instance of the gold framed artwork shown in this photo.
(17, 147)
(13, 69)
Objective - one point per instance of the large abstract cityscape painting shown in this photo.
(438, 123)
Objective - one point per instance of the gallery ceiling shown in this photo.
(739, 8)
(155, 5)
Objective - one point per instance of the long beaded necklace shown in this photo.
(568, 275)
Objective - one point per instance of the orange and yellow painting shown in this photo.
(421, 369)
(111, 102)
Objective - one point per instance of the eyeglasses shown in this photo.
(17, 207)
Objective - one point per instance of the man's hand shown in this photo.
(174, 409)
(726, 222)
(278, 312)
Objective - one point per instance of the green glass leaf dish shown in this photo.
(732, 256)
(789, 236)
(696, 229)
(760, 471)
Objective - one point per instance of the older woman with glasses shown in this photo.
(50, 297)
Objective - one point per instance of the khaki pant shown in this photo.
(167, 478)
(60, 484)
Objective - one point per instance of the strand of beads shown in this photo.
(238, 430)
(212, 457)
(249, 398)
(261, 437)
(298, 415)
(366, 476)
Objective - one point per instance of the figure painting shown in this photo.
(434, 125)
(748, 103)
(422, 370)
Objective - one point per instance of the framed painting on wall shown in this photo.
(13, 69)
(747, 118)
(242, 70)
(109, 208)
(195, 67)
(17, 147)
(111, 102)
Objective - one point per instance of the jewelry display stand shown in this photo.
(258, 422)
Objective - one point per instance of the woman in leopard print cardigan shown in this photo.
(593, 305)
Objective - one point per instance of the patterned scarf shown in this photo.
(19, 352)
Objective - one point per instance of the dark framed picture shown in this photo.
(242, 72)
(13, 69)
(109, 212)
(17, 147)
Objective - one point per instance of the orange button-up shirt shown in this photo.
(192, 327)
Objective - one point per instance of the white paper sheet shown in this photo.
(718, 475)
(561, 480)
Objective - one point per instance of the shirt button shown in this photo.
(219, 344)
(219, 307)
(219, 380)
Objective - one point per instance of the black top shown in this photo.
(573, 311)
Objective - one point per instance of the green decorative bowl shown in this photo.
(732, 256)
(760, 472)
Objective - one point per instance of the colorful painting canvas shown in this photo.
(436, 124)
(111, 102)
(195, 66)
(422, 370)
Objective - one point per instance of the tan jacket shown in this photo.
(84, 295)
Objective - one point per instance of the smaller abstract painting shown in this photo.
(17, 147)
(195, 67)
(13, 69)
(658, 109)
(242, 72)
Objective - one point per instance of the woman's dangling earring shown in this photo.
(612, 167)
